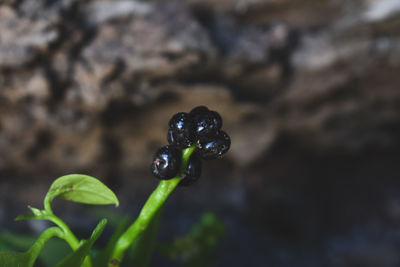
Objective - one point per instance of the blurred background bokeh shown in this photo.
(309, 91)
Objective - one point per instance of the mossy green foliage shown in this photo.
(196, 248)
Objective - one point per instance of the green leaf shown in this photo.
(102, 256)
(14, 259)
(81, 188)
(37, 214)
(53, 251)
(76, 258)
(15, 241)
(197, 247)
(27, 259)
(23, 217)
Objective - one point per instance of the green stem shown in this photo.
(68, 235)
(47, 206)
(152, 205)
(37, 247)
(143, 246)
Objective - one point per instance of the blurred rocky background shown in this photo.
(309, 91)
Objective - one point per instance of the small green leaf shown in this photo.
(37, 214)
(83, 189)
(76, 258)
(23, 217)
(35, 211)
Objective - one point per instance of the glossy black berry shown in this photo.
(217, 119)
(206, 122)
(214, 147)
(166, 162)
(198, 110)
(193, 171)
(179, 121)
(181, 130)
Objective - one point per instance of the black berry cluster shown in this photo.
(200, 127)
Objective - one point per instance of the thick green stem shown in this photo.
(152, 205)
(143, 246)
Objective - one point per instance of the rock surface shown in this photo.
(89, 69)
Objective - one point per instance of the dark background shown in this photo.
(308, 90)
